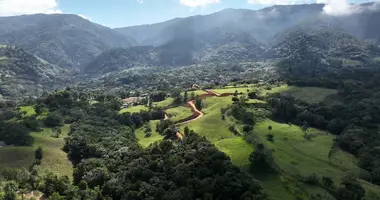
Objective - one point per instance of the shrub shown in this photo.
(270, 137)
(53, 120)
(38, 154)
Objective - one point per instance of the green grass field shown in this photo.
(164, 103)
(54, 159)
(196, 92)
(311, 94)
(134, 109)
(232, 90)
(237, 149)
(216, 131)
(264, 92)
(307, 94)
(348, 62)
(298, 156)
(29, 110)
(145, 142)
(178, 113)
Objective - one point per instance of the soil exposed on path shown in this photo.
(197, 114)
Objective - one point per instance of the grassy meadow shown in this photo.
(146, 141)
(54, 159)
(134, 109)
(178, 113)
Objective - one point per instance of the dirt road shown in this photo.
(197, 114)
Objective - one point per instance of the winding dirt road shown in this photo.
(197, 114)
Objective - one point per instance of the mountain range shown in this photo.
(291, 34)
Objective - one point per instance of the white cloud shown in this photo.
(278, 2)
(140, 1)
(337, 7)
(19, 7)
(197, 3)
(84, 17)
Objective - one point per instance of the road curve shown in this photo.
(195, 111)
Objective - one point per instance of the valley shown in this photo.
(279, 103)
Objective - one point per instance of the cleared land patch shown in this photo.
(134, 109)
(311, 94)
(299, 156)
(54, 160)
(307, 94)
(216, 131)
(146, 141)
(232, 90)
(237, 149)
(178, 113)
(164, 103)
(29, 110)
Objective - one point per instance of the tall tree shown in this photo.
(198, 103)
(185, 97)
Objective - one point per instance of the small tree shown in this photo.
(327, 184)
(185, 97)
(10, 191)
(148, 130)
(53, 119)
(261, 159)
(270, 137)
(192, 95)
(38, 154)
(198, 103)
(236, 93)
(235, 99)
(186, 130)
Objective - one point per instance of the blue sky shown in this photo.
(120, 13)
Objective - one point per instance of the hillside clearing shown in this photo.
(54, 159)
(298, 156)
(134, 109)
(146, 141)
(311, 94)
(232, 90)
(29, 110)
(307, 94)
(216, 131)
(178, 113)
(164, 103)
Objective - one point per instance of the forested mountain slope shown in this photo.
(261, 24)
(64, 40)
(219, 45)
(22, 74)
(315, 49)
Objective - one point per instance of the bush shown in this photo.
(38, 154)
(311, 179)
(32, 123)
(234, 130)
(53, 120)
(247, 128)
(270, 137)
